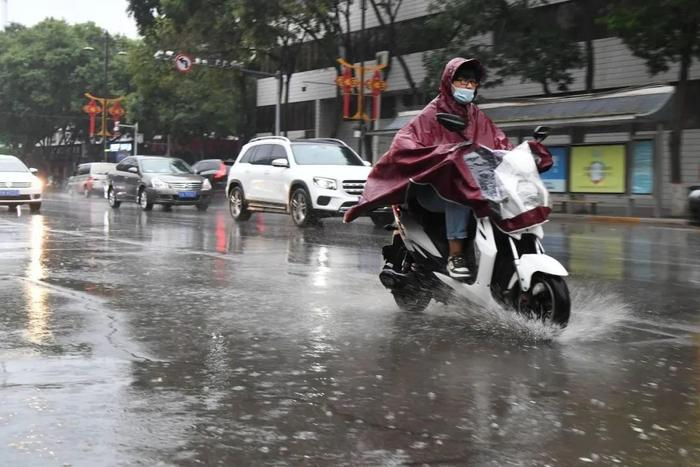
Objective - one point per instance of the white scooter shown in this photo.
(509, 270)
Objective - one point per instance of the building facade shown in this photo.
(313, 104)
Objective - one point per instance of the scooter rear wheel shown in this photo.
(411, 300)
(547, 300)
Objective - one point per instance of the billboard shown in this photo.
(597, 169)
(555, 178)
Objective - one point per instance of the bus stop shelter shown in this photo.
(626, 167)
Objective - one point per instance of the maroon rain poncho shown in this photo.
(422, 152)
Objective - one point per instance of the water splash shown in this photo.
(596, 311)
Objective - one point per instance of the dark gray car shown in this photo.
(150, 180)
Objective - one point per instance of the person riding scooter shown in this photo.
(423, 143)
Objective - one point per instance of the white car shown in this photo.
(18, 184)
(309, 179)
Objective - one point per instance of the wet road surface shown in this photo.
(182, 338)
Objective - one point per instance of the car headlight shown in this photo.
(206, 185)
(37, 184)
(158, 183)
(325, 183)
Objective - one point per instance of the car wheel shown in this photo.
(112, 199)
(145, 204)
(237, 205)
(202, 207)
(34, 207)
(167, 207)
(301, 208)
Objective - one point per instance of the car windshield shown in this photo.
(165, 166)
(101, 169)
(12, 165)
(324, 154)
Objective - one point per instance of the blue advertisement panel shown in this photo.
(555, 178)
(642, 167)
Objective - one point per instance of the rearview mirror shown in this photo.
(540, 133)
(33, 170)
(451, 122)
(133, 170)
(281, 162)
(367, 163)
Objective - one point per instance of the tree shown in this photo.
(387, 12)
(662, 33)
(186, 106)
(44, 72)
(510, 37)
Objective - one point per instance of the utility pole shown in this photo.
(361, 97)
(105, 91)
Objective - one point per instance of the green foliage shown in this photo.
(662, 33)
(183, 105)
(44, 72)
(659, 32)
(508, 37)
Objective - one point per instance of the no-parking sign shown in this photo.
(183, 63)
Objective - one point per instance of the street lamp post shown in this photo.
(105, 86)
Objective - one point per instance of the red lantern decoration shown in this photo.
(117, 112)
(376, 85)
(346, 82)
(92, 109)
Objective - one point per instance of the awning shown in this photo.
(652, 103)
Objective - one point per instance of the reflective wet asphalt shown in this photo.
(182, 338)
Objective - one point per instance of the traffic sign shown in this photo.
(183, 63)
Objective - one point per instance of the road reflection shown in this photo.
(38, 312)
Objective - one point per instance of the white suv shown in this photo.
(309, 179)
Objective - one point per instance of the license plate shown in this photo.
(187, 194)
(9, 192)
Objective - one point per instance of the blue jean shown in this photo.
(456, 215)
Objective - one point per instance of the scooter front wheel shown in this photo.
(547, 300)
(411, 300)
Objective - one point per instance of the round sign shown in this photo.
(183, 63)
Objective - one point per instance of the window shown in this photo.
(83, 169)
(278, 152)
(165, 166)
(101, 168)
(12, 165)
(125, 164)
(249, 155)
(208, 164)
(324, 154)
(263, 156)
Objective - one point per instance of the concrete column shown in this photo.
(658, 170)
(317, 118)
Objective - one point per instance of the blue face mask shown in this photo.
(463, 95)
